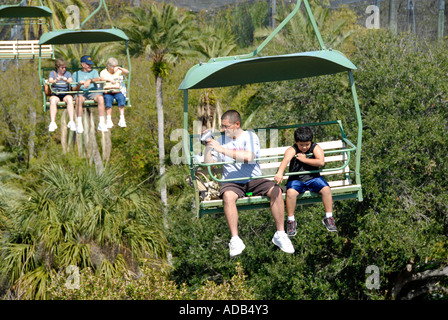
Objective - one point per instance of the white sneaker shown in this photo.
(282, 241)
(236, 246)
(102, 127)
(122, 123)
(71, 125)
(52, 127)
(109, 124)
(79, 128)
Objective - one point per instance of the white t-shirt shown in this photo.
(247, 141)
(117, 77)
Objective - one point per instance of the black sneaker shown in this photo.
(291, 228)
(330, 224)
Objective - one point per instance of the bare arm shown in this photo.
(208, 158)
(319, 160)
(289, 154)
(123, 70)
(239, 155)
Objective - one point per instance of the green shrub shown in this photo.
(152, 283)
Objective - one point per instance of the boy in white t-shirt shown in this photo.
(244, 147)
(113, 75)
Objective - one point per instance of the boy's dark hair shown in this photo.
(233, 116)
(303, 134)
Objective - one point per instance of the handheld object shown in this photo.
(205, 136)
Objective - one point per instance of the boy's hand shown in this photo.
(300, 156)
(278, 178)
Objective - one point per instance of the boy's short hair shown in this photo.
(303, 134)
(232, 115)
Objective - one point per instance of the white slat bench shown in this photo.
(336, 171)
(24, 49)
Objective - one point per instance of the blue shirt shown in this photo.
(81, 75)
(61, 85)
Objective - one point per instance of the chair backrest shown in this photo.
(337, 151)
(336, 167)
(24, 49)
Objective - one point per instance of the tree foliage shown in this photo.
(80, 218)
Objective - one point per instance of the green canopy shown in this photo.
(228, 72)
(24, 11)
(82, 36)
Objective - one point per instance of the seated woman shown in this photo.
(113, 75)
(60, 79)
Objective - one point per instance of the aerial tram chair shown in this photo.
(340, 153)
(13, 15)
(82, 36)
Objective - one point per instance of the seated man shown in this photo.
(85, 81)
(244, 146)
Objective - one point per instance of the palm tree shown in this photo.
(334, 26)
(81, 218)
(161, 33)
(213, 42)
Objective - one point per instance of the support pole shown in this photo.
(359, 139)
(393, 26)
(440, 30)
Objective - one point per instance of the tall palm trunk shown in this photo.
(32, 136)
(161, 139)
(95, 155)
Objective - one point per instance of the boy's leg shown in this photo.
(291, 201)
(293, 189)
(327, 199)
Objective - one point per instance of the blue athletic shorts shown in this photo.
(313, 185)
